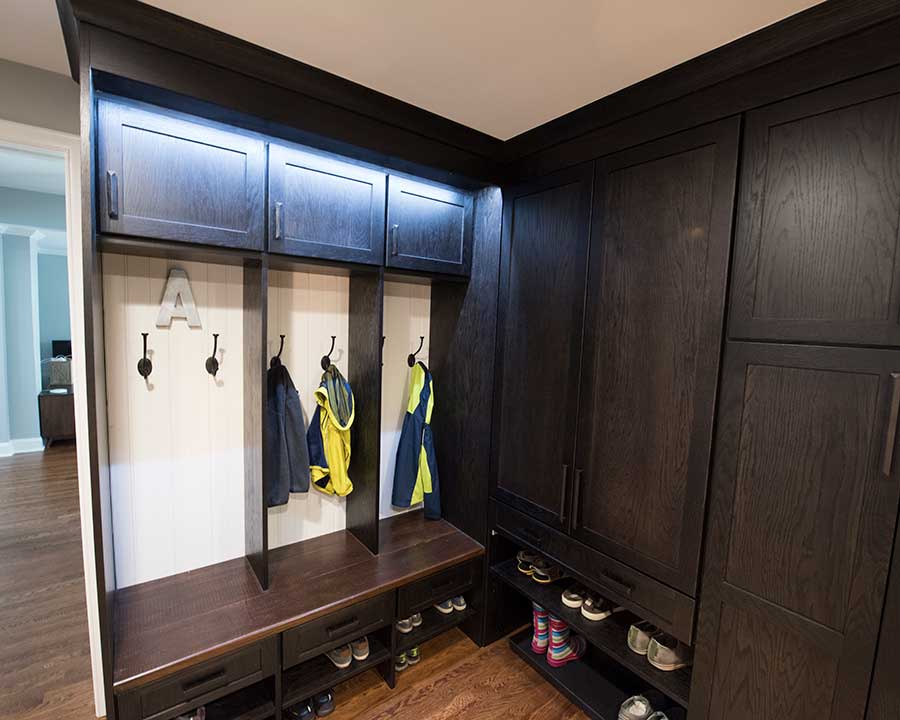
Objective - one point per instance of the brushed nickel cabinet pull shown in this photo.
(279, 220)
(112, 193)
(395, 248)
(890, 438)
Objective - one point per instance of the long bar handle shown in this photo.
(576, 496)
(562, 494)
(395, 247)
(890, 439)
(112, 193)
(279, 220)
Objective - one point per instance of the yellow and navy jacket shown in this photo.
(416, 473)
(328, 436)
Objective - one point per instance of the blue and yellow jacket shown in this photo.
(416, 474)
(328, 436)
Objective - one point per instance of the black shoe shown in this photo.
(324, 703)
(301, 711)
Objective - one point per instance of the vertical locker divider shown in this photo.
(364, 374)
(256, 532)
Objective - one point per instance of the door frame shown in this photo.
(68, 146)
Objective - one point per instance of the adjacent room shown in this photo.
(419, 361)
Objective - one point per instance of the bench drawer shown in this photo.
(650, 599)
(200, 684)
(440, 586)
(337, 628)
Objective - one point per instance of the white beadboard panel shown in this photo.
(407, 316)
(176, 438)
(308, 308)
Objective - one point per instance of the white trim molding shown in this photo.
(68, 146)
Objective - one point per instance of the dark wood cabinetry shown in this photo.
(166, 178)
(884, 701)
(320, 207)
(56, 412)
(653, 322)
(545, 241)
(429, 227)
(816, 255)
(804, 504)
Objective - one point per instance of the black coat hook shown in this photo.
(411, 358)
(276, 361)
(326, 359)
(145, 367)
(212, 365)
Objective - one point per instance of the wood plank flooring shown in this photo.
(456, 679)
(44, 651)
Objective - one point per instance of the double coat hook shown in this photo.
(326, 359)
(411, 358)
(212, 365)
(144, 366)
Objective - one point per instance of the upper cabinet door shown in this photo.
(817, 254)
(429, 227)
(803, 507)
(170, 179)
(543, 262)
(324, 208)
(653, 323)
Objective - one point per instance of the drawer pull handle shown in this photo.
(446, 585)
(279, 220)
(342, 627)
(531, 537)
(200, 683)
(576, 498)
(617, 584)
(395, 247)
(562, 495)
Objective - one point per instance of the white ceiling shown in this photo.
(32, 171)
(501, 66)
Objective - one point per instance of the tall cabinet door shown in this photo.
(164, 177)
(803, 509)
(653, 324)
(321, 207)
(817, 251)
(545, 240)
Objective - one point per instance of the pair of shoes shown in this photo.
(538, 568)
(525, 560)
(593, 607)
(319, 706)
(345, 654)
(640, 707)
(662, 650)
(406, 625)
(405, 659)
(551, 636)
(448, 606)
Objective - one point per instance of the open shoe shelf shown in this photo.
(433, 624)
(252, 703)
(610, 635)
(313, 676)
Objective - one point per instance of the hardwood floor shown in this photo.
(44, 654)
(456, 679)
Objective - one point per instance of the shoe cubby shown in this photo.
(609, 636)
(253, 703)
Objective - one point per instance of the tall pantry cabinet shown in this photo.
(617, 341)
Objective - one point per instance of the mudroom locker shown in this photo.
(656, 344)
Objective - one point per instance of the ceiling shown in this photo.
(500, 66)
(33, 171)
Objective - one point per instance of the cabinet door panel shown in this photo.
(816, 254)
(544, 254)
(171, 179)
(429, 227)
(324, 208)
(655, 304)
(803, 511)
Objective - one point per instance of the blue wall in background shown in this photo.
(21, 382)
(53, 305)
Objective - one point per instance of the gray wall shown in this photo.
(53, 305)
(21, 382)
(34, 209)
(37, 97)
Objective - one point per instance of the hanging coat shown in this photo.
(328, 436)
(416, 473)
(287, 469)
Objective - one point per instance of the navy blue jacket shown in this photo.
(287, 469)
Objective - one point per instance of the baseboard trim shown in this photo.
(21, 445)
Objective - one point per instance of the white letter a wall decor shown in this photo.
(178, 301)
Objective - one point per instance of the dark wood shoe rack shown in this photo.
(610, 672)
